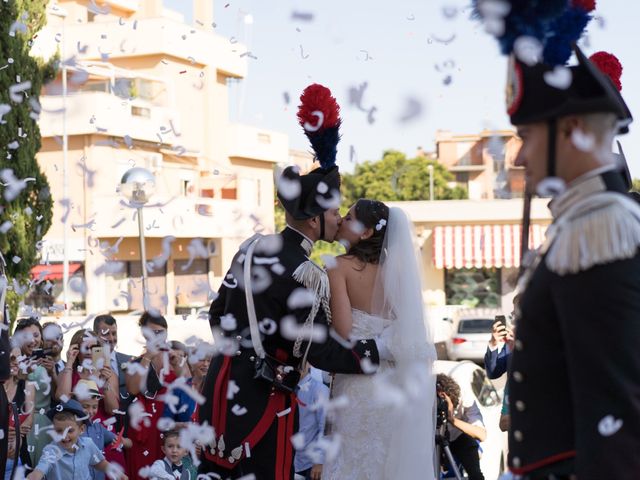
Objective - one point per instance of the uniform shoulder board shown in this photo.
(601, 229)
(313, 277)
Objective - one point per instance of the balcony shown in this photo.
(466, 168)
(182, 217)
(150, 37)
(126, 5)
(107, 114)
(257, 144)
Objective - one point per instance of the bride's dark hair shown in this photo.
(371, 214)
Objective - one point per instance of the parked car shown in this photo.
(470, 339)
(474, 381)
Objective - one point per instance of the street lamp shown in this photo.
(56, 11)
(430, 168)
(137, 186)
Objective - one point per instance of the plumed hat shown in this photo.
(533, 97)
(307, 196)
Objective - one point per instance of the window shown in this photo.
(484, 390)
(192, 283)
(473, 287)
(475, 325)
(140, 112)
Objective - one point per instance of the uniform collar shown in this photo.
(290, 233)
(602, 179)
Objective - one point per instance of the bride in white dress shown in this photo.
(386, 430)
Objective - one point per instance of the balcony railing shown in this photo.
(102, 112)
(184, 217)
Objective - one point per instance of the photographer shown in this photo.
(466, 425)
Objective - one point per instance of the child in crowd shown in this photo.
(71, 454)
(172, 466)
(88, 395)
(312, 395)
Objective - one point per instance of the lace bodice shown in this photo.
(366, 325)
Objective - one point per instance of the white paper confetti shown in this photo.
(560, 77)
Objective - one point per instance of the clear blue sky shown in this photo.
(405, 65)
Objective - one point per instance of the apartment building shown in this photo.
(483, 162)
(144, 88)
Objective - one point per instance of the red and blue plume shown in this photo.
(557, 24)
(608, 64)
(565, 30)
(319, 115)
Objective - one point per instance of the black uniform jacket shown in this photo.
(242, 408)
(574, 379)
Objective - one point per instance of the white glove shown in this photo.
(382, 343)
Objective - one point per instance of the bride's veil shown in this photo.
(398, 296)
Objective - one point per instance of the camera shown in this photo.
(442, 411)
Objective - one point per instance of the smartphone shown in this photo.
(37, 353)
(502, 319)
(97, 357)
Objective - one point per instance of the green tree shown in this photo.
(27, 206)
(636, 185)
(396, 178)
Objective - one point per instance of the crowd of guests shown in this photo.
(99, 411)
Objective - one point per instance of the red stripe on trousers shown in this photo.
(288, 458)
(219, 408)
(276, 404)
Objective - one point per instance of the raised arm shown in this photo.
(64, 383)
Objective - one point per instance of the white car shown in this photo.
(473, 380)
(470, 339)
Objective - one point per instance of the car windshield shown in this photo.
(484, 390)
(475, 325)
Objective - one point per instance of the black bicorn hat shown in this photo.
(309, 195)
(533, 97)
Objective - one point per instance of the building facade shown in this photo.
(483, 163)
(470, 249)
(145, 89)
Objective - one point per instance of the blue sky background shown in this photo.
(397, 48)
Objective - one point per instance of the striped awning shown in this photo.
(478, 246)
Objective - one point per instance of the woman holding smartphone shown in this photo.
(83, 364)
(40, 373)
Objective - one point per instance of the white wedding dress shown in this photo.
(386, 429)
(363, 425)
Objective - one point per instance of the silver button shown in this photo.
(252, 358)
(238, 353)
(518, 345)
(517, 376)
(517, 435)
(516, 462)
(238, 337)
(520, 406)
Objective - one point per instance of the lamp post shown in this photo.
(137, 186)
(61, 13)
(430, 168)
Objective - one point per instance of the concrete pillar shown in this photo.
(171, 287)
(150, 9)
(203, 13)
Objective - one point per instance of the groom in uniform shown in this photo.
(250, 399)
(575, 372)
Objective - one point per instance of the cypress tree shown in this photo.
(26, 206)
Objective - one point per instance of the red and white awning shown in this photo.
(478, 246)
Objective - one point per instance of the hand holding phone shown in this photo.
(498, 330)
(97, 357)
